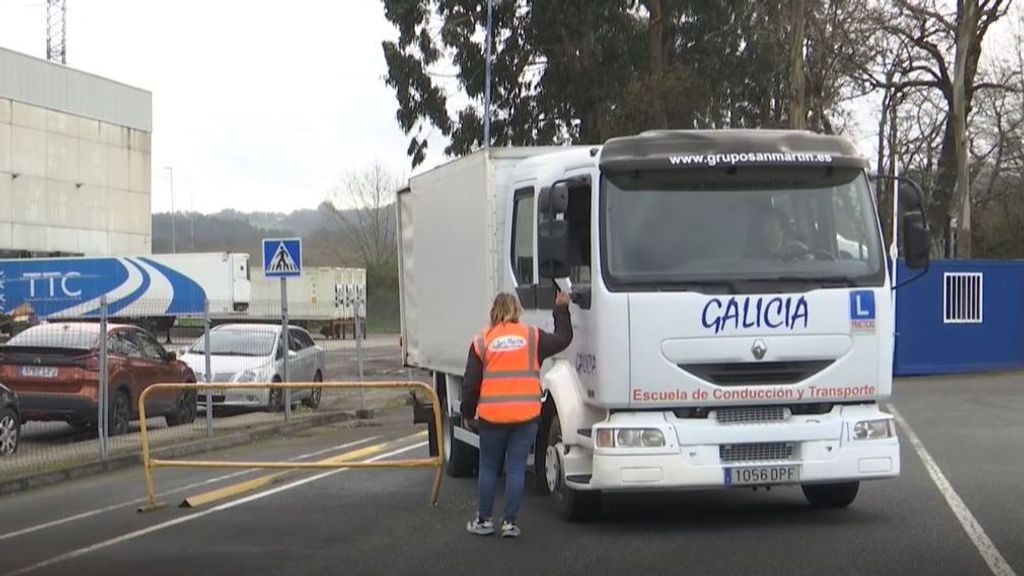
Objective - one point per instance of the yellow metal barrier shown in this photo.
(149, 462)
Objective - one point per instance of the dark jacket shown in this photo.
(549, 344)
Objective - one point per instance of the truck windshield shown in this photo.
(740, 229)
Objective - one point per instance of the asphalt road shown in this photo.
(376, 522)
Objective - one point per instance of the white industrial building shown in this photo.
(74, 162)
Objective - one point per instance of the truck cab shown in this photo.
(733, 314)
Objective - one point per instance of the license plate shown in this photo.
(39, 371)
(759, 475)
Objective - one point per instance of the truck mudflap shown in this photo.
(849, 444)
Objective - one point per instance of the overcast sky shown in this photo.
(256, 105)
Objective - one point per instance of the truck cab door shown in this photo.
(582, 252)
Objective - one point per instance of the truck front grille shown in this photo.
(755, 452)
(750, 415)
(756, 373)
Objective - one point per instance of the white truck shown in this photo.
(710, 349)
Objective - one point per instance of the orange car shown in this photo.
(55, 370)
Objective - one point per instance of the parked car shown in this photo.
(10, 421)
(55, 369)
(254, 353)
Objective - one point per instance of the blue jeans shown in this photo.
(513, 442)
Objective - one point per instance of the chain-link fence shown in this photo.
(77, 399)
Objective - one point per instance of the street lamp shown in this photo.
(174, 236)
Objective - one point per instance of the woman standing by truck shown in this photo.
(501, 388)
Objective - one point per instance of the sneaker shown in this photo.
(480, 527)
(509, 530)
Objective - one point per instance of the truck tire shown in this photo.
(460, 459)
(572, 505)
(540, 453)
(838, 495)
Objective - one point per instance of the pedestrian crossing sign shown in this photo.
(282, 257)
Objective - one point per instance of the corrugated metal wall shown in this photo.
(962, 316)
(49, 85)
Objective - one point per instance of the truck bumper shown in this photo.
(821, 448)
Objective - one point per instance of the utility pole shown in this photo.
(487, 76)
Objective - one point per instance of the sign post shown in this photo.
(282, 258)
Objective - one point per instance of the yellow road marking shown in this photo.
(257, 483)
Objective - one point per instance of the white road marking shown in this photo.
(991, 555)
(183, 519)
(91, 513)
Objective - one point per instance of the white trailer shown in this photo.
(705, 354)
(317, 295)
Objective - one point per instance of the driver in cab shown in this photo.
(769, 238)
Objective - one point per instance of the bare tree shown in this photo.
(362, 206)
(944, 52)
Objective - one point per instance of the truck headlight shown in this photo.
(872, 429)
(630, 438)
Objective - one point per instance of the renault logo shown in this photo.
(759, 349)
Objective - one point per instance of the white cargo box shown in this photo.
(450, 229)
(310, 296)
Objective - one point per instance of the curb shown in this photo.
(76, 471)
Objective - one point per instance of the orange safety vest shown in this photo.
(510, 391)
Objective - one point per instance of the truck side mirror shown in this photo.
(553, 249)
(553, 199)
(916, 241)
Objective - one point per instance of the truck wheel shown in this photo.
(460, 459)
(540, 453)
(831, 495)
(572, 505)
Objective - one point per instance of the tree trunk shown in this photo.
(967, 30)
(797, 91)
(945, 182)
(656, 47)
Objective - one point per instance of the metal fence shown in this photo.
(78, 399)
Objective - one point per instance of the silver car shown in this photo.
(246, 353)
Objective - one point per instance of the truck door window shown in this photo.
(522, 236)
(578, 216)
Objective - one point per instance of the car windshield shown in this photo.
(740, 230)
(237, 343)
